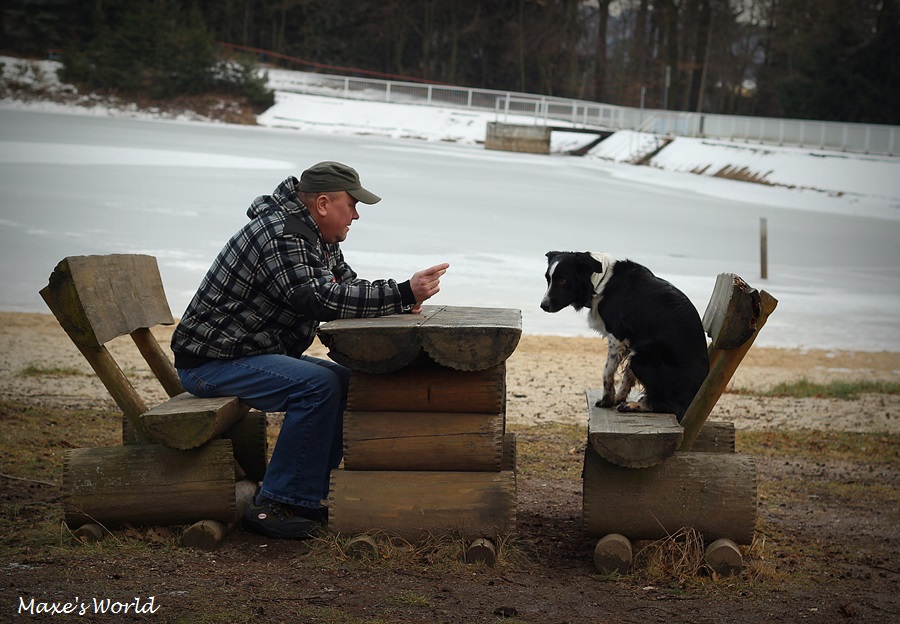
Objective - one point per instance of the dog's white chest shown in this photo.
(595, 320)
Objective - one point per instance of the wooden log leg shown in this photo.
(251, 447)
(724, 557)
(362, 547)
(613, 553)
(482, 551)
(208, 534)
(88, 533)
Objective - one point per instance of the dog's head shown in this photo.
(569, 280)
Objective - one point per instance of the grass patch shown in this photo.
(838, 389)
(36, 370)
(869, 448)
(409, 599)
(551, 450)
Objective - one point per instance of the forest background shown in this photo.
(835, 60)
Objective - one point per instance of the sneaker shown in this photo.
(281, 521)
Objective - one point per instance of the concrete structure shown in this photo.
(512, 138)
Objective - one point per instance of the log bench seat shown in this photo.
(177, 454)
(640, 481)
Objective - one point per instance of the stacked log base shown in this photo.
(426, 453)
(425, 447)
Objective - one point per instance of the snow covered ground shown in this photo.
(836, 242)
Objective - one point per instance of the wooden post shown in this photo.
(720, 374)
(763, 249)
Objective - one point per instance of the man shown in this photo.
(256, 312)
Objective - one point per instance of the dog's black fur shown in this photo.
(650, 324)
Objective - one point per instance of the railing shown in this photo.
(850, 137)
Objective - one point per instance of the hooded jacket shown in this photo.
(272, 284)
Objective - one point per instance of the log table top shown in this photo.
(463, 338)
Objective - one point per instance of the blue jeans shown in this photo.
(311, 392)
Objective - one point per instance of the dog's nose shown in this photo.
(545, 305)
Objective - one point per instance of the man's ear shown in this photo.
(321, 206)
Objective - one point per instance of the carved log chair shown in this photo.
(181, 458)
(647, 476)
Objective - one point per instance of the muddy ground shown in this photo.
(827, 543)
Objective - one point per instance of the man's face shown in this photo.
(335, 212)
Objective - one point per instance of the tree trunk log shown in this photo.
(415, 505)
(422, 441)
(715, 493)
(429, 388)
(148, 485)
(715, 437)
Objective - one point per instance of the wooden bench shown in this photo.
(97, 299)
(640, 481)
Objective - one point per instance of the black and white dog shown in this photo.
(651, 326)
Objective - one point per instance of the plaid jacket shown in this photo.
(272, 284)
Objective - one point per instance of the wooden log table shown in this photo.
(462, 338)
(425, 443)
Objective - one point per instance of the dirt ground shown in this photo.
(828, 528)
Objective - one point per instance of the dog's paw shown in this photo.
(634, 406)
(605, 401)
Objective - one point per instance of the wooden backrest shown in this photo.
(735, 315)
(98, 298)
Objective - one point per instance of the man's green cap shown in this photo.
(328, 176)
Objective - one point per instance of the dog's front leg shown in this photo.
(628, 380)
(613, 359)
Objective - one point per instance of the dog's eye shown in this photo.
(562, 281)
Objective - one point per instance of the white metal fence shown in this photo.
(850, 137)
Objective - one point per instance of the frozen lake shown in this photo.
(73, 185)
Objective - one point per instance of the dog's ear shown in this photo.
(588, 260)
(553, 254)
